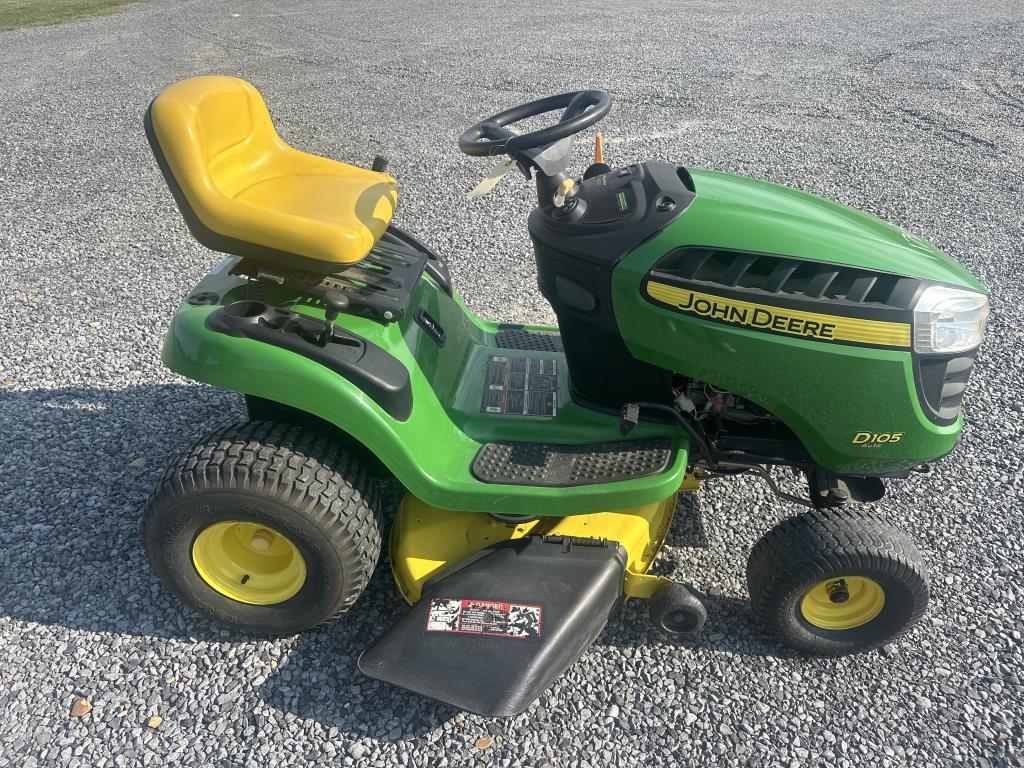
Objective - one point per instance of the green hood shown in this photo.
(744, 214)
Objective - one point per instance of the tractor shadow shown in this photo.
(730, 629)
(79, 466)
(730, 626)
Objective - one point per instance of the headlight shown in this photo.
(949, 319)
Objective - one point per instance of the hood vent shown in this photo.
(787, 277)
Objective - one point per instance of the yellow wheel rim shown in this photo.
(249, 562)
(842, 602)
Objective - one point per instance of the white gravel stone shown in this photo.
(914, 115)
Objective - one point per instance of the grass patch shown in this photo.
(36, 13)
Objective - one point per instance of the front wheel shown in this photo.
(834, 582)
(264, 527)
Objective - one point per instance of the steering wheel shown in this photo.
(492, 137)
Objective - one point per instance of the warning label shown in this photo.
(521, 386)
(483, 617)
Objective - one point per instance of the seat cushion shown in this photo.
(346, 211)
(243, 190)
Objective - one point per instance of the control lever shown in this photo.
(336, 303)
(598, 167)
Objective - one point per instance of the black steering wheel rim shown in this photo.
(492, 137)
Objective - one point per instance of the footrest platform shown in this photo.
(565, 466)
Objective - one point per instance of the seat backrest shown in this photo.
(213, 132)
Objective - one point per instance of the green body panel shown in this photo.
(430, 453)
(747, 214)
(825, 392)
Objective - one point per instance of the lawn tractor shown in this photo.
(709, 325)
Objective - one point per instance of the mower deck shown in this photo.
(426, 540)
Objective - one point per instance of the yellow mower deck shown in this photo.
(425, 539)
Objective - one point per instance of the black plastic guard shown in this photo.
(491, 633)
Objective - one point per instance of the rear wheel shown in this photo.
(264, 527)
(833, 582)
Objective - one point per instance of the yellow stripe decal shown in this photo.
(764, 317)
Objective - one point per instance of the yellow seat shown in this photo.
(244, 191)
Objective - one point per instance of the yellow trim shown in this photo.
(248, 562)
(864, 600)
(792, 322)
(425, 539)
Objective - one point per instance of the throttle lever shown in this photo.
(336, 303)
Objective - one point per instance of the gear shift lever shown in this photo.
(336, 302)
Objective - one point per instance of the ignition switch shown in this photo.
(565, 197)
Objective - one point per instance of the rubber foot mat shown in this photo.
(564, 466)
(527, 340)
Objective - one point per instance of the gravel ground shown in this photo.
(912, 115)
